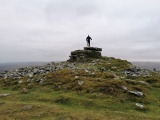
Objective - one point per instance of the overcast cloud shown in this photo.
(48, 30)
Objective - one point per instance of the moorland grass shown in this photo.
(100, 97)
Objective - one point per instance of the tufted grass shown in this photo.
(48, 104)
(61, 105)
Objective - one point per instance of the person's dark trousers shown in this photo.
(88, 43)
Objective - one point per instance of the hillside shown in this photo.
(97, 89)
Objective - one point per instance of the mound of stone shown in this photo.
(84, 55)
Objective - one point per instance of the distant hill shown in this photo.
(17, 65)
(147, 65)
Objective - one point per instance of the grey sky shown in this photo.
(48, 30)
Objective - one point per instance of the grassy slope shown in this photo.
(100, 97)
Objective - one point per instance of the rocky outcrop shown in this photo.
(31, 72)
(84, 55)
(134, 72)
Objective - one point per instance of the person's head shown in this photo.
(88, 35)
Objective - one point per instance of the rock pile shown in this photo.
(83, 55)
(31, 71)
(134, 72)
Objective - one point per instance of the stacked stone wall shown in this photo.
(84, 55)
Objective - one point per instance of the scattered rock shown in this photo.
(5, 76)
(30, 75)
(86, 71)
(137, 93)
(4, 95)
(76, 77)
(140, 105)
(143, 82)
(20, 81)
(35, 70)
(102, 69)
(41, 81)
(137, 72)
(80, 82)
(38, 80)
(114, 67)
(29, 80)
(136, 82)
(27, 107)
(24, 90)
(124, 88)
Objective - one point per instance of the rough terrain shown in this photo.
(99, 89)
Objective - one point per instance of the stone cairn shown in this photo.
(85, 55)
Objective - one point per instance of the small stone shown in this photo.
(102, 69)
(124, 88)
(41, 81)
(5, 76)
(24, 90)
(4, 95)
(35, 70)
(20, 81)
(140, 105)
(86, 71)
(114, 67)
(29, 80)
(76, 77)
(27, 107)
(30, 75)
(38, 80)
(80, 82)
(136, 93)
(143, 82)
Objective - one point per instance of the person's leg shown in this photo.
(89, 43)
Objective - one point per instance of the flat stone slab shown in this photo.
(4, 95)
(93, 48)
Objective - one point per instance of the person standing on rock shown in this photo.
(88, 40)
